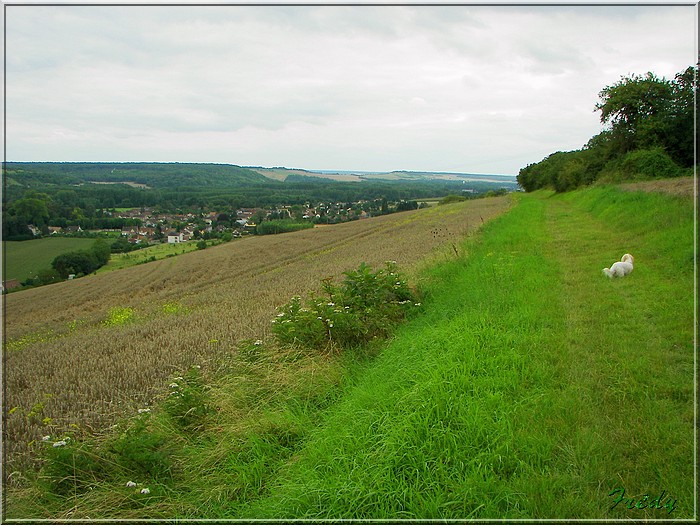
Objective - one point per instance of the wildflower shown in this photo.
(143, 410)
(61, 443)
(331, 304)
(258, 342)
(174, 385)
(145, 491)
(178, 378)
(196, 366)
(417, 304)
(46, 438)
(280, 315)
(130, 484)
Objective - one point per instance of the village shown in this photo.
(146, 226)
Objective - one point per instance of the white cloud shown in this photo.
(465, 88)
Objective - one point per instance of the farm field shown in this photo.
(24, 259)
(63, 353)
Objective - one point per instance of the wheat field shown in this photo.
(81, 353)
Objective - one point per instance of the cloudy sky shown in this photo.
(480, 89)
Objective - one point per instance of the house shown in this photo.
(35, 231)
(55, 229)
(175, 237)
(10, 284)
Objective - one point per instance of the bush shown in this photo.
(70, 466)
(188, 403)
(363, 306)
(281, 226)
(141, 452)
(649, 164)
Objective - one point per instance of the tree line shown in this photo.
(648, 133)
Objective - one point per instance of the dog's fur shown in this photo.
(620, 268)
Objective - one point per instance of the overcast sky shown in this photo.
(480, 89)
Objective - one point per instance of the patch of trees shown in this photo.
(82, 262)
(649, 123)
(281, 226)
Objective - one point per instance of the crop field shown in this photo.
(24, 259)
(84, 352)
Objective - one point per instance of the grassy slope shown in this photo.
(532, 387)
(26, 258)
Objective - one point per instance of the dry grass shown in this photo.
(64, 362)
(681, 186)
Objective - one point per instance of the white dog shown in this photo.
(620, 268)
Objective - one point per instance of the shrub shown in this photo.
(188, 401)
(142, 452)
(364, 305)
(70, 466)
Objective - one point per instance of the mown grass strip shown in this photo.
(533, 387)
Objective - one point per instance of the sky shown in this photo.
(457, 88)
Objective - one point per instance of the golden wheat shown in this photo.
(64, 365)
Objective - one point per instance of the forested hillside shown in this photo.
(79, 193)
(648, 134)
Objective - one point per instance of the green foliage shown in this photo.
(188, 401)
(140, 451)
(365, 305)
(452, 198)
(82, 262)
(281, 226)
(650, 129)
(201, 245)
(643, 164)
(70, 466)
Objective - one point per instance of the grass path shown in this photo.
(533, 386)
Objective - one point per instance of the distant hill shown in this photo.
(139, 174)
(282, 174)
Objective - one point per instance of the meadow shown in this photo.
(528, 386)
(24, 259)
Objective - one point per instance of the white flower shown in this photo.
(174, 385)
(61, 443)
(142, 410)
(46, 438)
(417, 304)
(130, 484)
(280, 315)
(258, 342)
(331, 304)
(178, 378)
(145, 491)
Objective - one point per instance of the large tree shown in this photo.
(645, 111)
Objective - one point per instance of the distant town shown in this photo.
(146, 225)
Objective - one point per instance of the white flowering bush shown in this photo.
(188, 400)
(69, 466)
(365, 305)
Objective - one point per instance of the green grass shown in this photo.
(119, 261)
(24, 259)
(530, 386)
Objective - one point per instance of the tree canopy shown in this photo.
(648, 133)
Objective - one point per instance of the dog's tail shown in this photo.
(609, 273)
